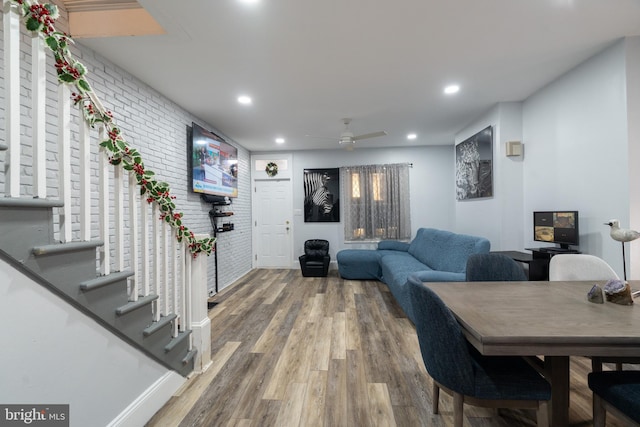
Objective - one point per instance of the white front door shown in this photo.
(272, 215)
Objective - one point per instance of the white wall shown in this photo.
(431, 189)
(575, 133)
(581, 146)
(511, 177)
(498, 218)
(54, 359)
(632, 49)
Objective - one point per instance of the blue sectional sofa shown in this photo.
(433, 256)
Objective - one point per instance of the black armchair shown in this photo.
(316, 258)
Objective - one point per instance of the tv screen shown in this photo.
(214, 164)
(559, 227)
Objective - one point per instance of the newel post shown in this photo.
(200, 322)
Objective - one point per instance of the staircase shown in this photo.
(26, 229)
(90, 232)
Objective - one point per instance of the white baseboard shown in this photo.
(148, 403)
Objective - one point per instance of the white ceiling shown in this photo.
(307, 64)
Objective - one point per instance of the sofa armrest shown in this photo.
(394, 245)
(438, 276)
(305, 258)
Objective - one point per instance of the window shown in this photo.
(376, 205)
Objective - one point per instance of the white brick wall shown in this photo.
(158, 128)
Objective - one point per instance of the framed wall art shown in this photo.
(321, 195)
(474, 166)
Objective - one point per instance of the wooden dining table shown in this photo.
(550, 321)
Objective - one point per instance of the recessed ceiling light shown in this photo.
(279, 140)
(412, 136)
(249, 1)
(244, 100)
(451, 89)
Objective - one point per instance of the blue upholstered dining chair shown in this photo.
(493, 267)
(460, 370)
(617, 392)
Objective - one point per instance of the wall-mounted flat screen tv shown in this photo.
(559, 227)
(214, 163)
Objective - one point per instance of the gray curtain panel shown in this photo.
(376, 202)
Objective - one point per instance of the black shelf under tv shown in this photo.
(215, 214)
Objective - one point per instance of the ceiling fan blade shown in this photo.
(369, 135)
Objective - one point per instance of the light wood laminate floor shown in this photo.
(294, 351)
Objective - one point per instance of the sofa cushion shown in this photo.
(394, 245)
(446, 251)
(358, 264)
(438, 276)
(396, 267)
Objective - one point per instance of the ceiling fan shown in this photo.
(348, 139)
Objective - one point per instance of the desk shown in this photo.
(537, 261)
(550, 319)
(516, 256)
(539, 268)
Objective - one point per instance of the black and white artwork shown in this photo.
(321, 195)
(474, 166)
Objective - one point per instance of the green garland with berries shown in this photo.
(41, 18)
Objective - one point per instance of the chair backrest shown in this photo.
(579, 267)
(493, 267)
(316, 248)
(443, 250)
(444, 348)
(617, 389)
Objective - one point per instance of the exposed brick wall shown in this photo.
(158, 128)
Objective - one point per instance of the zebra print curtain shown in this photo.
(376, 202)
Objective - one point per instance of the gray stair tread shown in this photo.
(58, 248)
(189, 357)
(30, 202)
(133, 305)
(69, 268)
(105, 280)
(156, 326)
(177, 340)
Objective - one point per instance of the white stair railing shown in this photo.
(11, 35)
(64, 164)
(117, 214)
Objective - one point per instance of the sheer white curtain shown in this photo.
(376, 202)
